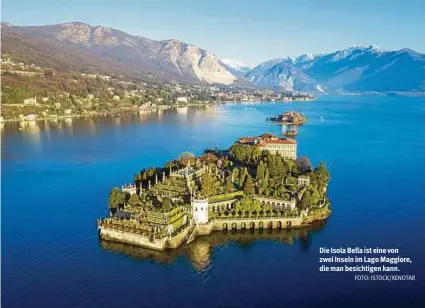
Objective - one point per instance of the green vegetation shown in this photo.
(116, 198)
(248, 186)
(208, 185)
(227, 196)
(64, 92)
(242, 182)
(245, 153)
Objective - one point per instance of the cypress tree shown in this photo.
(242, 176)
(260, 171)
(248, 186)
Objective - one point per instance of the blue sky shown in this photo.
(252, 31)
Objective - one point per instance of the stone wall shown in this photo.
(140, 240)
(264, 222)
(177, 240)
(131, 238)
(189, 233)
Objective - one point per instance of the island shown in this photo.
(259, 183)
(289, 118)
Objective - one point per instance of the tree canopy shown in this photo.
(116, 198)
(134, 200)
(208, 185)
(167, 204)
(248, 186)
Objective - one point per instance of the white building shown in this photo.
(200, 211)
(31, 117)
(30, 101)
(303, 180)
(130, 189)
(182, 99)
(285, 147)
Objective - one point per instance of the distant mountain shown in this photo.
(358, 68)
(257, 73)
(80, 47)
(305, 58)
(237, 67)
(110, 49)
(283, 74)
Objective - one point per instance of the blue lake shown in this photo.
(56, 177)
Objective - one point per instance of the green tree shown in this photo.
(256, 154)
(229, 184)
(242, 175)
(248, 186)
(241, 152)
(116, 198)
(208, 185)
(134, 200)
(167, 204)
(265, 182)
(260, 171)
(310, 198)
(322, 174)
(280, 166)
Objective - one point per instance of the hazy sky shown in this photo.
(252, 31)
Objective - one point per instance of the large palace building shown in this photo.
(283, 146)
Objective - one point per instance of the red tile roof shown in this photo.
(266, 139)
(247, 139)
(279, 141)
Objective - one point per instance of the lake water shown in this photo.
(56, 177)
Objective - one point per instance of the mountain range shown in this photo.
(82, 47)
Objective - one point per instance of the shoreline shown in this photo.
(160, 107)
(190, 232)
(105, 113)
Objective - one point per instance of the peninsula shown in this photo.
(256, 184)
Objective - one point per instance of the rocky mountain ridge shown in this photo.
(82, 47)
(171, 58)
(358, 68)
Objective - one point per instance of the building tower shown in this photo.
(200, 210)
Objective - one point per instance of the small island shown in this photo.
(289, 118)
(257, 184)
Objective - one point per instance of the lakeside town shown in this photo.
(30, 92)
(258, 183)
